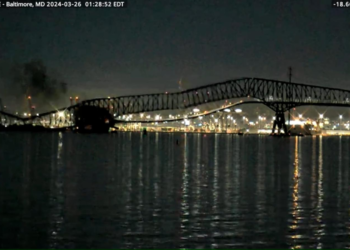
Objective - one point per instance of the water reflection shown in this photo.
(206, 191)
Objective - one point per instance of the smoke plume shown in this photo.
(33, 79)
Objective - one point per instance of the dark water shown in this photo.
(210, 191)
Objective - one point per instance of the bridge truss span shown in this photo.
(279, 96)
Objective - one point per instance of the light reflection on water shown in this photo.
(207, 191)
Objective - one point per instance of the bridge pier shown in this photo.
(280, 122)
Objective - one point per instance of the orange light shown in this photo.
(76, 98)
(70, 98)
(29, 97)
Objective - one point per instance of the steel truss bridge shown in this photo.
(280, 96)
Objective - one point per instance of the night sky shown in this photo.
(151, 44)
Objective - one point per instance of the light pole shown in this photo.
(340, 117)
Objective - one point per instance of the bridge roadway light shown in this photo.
(195, 110)
(227, 110)
(340, 117)
(238, 110)
(321, 116)
(300, 116)
(216, 120)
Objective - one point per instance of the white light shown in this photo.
(227, 110)
(321, 115)
(274, 118)
(300, 116)
(157, 117)
(60, 114)
(238, 110)
(25, 114)
(196, 110)
(340, 117)
(216, 120)
(187, 122)
(141, 115)
(200, 118)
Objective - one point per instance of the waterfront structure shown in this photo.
(277, 95)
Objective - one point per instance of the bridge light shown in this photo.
(227, 110)
(109, 97)
(29, 97)
(321, 116)
(216, 120)
(300, 115)
(37, 114)
(25, 114)
(340, 117)
(200, 118)
(196, 110)
(238, 110)
(274, 118)
(60, 114)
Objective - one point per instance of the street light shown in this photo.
(340, 117)
(300, 116)
(321, 116)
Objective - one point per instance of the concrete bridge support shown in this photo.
(280, 123)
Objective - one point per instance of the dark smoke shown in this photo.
(33, 79)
